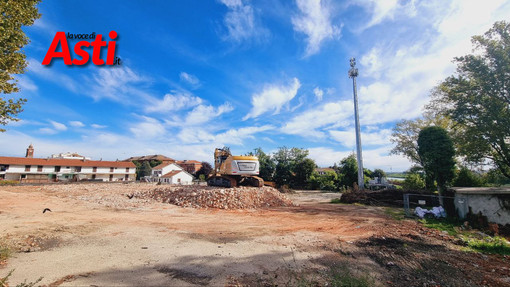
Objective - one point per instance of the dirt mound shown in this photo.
(214, 197)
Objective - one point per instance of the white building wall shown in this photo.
(184, 178)
(14, 172)
(165, 170)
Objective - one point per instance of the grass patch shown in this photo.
(487, 244)
(345, 278)
(8, 182)
(450, 225)
(395, 213)
(5, 252)
(335, 200)
(492, 245)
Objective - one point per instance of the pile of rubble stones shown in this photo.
(215, 197)
(138, 195)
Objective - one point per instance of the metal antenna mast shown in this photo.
(353, 73)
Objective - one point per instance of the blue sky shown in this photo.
(201, 74)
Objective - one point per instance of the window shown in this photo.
(127, 169)
(93, 176)
(57, 168)
(94, 169)
(27, 168)
(111, 169)
(77, 169)
(39, 168)
(4, 167)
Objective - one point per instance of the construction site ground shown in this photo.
(95, 235)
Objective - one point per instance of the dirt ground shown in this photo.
(96, 236)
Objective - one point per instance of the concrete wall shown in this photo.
(494, 203)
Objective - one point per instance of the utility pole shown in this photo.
(353, 73)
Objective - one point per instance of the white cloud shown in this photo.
(189, 78)
(49, 74)
(47, 131)
(119, 84)
(272, 98)
(193, 135)
(76, 124)
(58, 126)
(314, 21)
(197, 135)
(348, 137)
(96, 126)
(26, 84)
(203, 114)
(236, 136)
(372, 158)
(241, 22)
(173, 102)
(148, 128)
(318, 93)
(404, 72)
(329, 115)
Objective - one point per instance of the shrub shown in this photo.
(467, 178)
(8, 182)
(413, 181)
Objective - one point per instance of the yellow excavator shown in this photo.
(232, 171)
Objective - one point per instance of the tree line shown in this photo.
(463, 137)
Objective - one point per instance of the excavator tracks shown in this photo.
(231, 181)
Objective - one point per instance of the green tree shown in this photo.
(436, 150)
(14, 15)
(379, 173)
(138, 167)
(477, 98)
(204, 170)
(154, 163)
(467, 178)
(348, 171)
(267, 165)
(405, 134)
(327, 181)
(288, 163)
(303, 170)
(413, 181)
(145, 169)
(494, 177)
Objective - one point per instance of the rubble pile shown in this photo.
(113, 195)
(142, 195)
(222, 198)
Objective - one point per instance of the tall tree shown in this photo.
(145, 169)
(303, 170)
(435, 148)
(477, 97)
(405, 134)
(379, 173)
(206, 169)
(287, 162)
(348, 171)
(14, 14)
